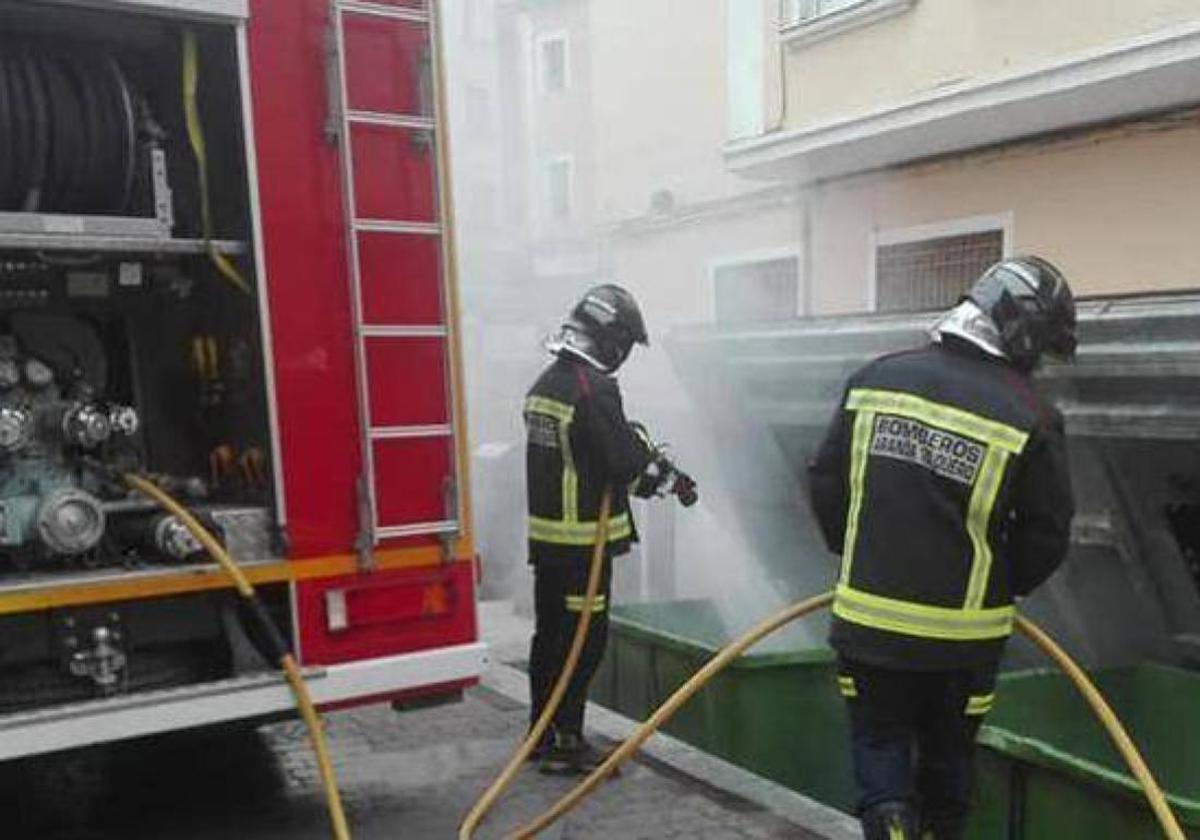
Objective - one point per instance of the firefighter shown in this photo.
(578, 444)
(942, 482)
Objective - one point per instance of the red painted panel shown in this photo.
(402, 279)
(389, 613)
(410, 479)
(395, 174)
(408, 381)
(388, 66)
(303, 235)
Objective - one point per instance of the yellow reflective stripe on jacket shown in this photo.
(846, 686)
(979, 704)
(553, 408)
(575, 603)
(979, 514)
(921, 620)
(577, 533)
(947, 417)
(859, 451)
(564, 413)
(570, 478)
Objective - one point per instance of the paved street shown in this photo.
(402, 775)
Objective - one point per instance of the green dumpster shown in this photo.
(777, 714)
(1046, 769)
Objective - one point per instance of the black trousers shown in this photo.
(913, 739)
(559, 590)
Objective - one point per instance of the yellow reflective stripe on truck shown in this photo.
(921, 620)
(577, 533)
(946, 417)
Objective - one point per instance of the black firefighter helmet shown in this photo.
(1030, 303)
(604, 326)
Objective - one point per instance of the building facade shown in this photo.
(931, 136)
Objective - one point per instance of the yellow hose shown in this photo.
(475, 816)
(1111, 723)
(684, 693)
(734, 649)
(287, 663)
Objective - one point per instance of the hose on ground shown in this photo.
(1112, 725)
(287, 662)
(485, 802)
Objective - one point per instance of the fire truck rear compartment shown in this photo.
(124, 347)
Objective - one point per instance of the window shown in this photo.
(559, 173)
(932, 273)
(765, 289)
(804, 21)
(798, 11)
(553, 63)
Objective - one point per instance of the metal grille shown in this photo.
(933, 273)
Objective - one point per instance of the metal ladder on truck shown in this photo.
(367, 40)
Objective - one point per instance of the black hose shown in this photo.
(92, 163)
(7, 141)
(69, 130)
(127, 123)
(39, 124)
(20, 130)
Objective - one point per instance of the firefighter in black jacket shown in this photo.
(578, 444)
(943, 484)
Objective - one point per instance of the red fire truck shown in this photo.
(226, 262)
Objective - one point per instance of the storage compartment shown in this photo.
(130, 341)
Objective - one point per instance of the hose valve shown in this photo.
(124, 420)
(16, 429)
(86, 425)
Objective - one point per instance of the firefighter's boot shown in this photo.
(571, 755)
(543, 747)
(889, 821)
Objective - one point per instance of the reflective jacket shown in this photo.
(943, 483)
(577, 443)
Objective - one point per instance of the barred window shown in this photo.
(932, 273)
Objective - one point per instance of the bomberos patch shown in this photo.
(944, 453)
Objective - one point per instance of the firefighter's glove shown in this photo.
(654, 479)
